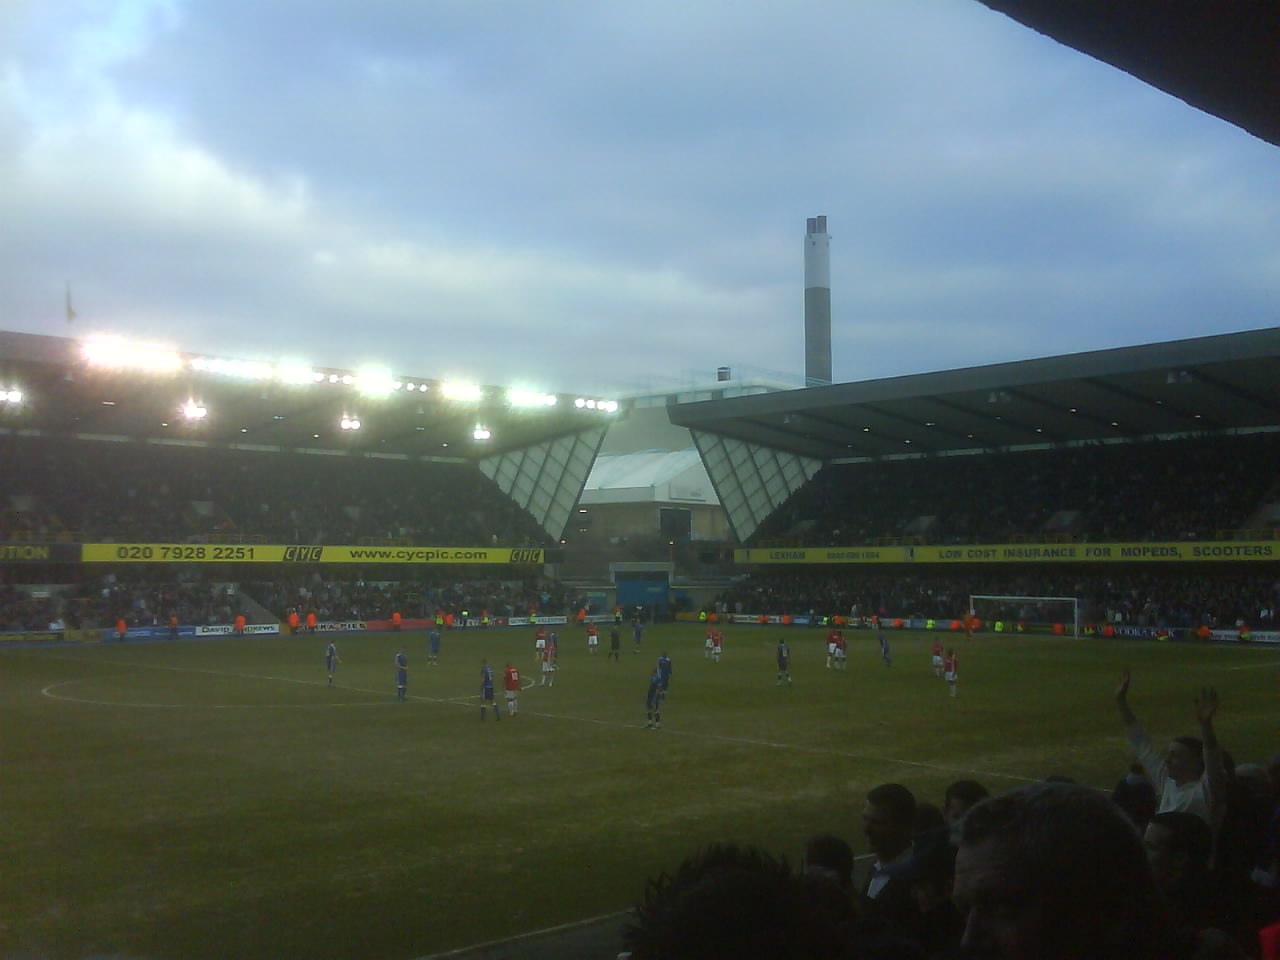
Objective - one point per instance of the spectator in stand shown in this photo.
(1189, 775)
(734, 902)
(829, 856)
(1179, 846)
(1033, 891)
(1135, 795)
(888, 822)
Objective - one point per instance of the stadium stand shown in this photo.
(142, 493)
(1139, 597)
(1182, 489)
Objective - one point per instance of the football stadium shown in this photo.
(368, 664)
(192, 775)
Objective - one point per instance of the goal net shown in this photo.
(1034, 613)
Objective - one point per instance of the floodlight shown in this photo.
(375, 382)
(11, 396)
(530, 398)
(580, 403)
(194, 411)
(116, 354)
(240, 369)
(462, 392)
(609, 406)
(591, 404)
(349, 423)
(296, 373)
(348, 379)
(480, 433)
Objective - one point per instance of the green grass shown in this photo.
(214, 799)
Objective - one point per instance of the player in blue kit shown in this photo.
(664, 668)
(486, 691)
(434, 638)
(653, 702)
(331, 659)
(784, 663)
(402, 675)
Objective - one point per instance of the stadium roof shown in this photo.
(649, 475)
(1229, 381)
(63, 394)
(1219, 56)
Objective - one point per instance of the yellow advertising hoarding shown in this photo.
(280, 553)
(1208, 551)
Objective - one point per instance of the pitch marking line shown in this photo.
(48, 692)
(559, 928)
(470, 700)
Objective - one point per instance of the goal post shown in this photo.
(1064, 610)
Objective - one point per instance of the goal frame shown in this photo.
(1074, 601)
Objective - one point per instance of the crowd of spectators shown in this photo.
(356, 599)
(147, 493)
(144, 600)
(21, 610)
(1139, 597)
(1157, 490)
(1179, 862)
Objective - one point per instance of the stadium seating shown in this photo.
(1187, 489)
(146, 493)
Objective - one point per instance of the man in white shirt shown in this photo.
(1189, 775)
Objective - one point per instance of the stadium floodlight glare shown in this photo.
(113, 353)
(580, 402)
(333, 378)
(530, 398)
(11, 396)
(349, 423)
(194, 411)
(480, 433)
(375, 382)
(610, 406)
(239, 369)
(461, 392)
(296, 374)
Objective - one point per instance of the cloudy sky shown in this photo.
(610, 195)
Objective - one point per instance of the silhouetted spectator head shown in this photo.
(729, 902)
(888, 819)
(829, 856)
(960, 796)
(1056, 871)
(932, 870)
(928, 818)
(1178, 845)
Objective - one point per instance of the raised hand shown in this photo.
(1206, 705)
(1122, 688)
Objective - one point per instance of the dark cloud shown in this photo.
(573, 186)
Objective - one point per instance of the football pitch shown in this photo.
(215, 798)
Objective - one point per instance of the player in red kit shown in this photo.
(593, 637)
(539, 643)
(511, 687)
(937, 658)
(717, 646)
(842, 650)
(549, 662)
(833, 644)
(708, 642)
(949, 669)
